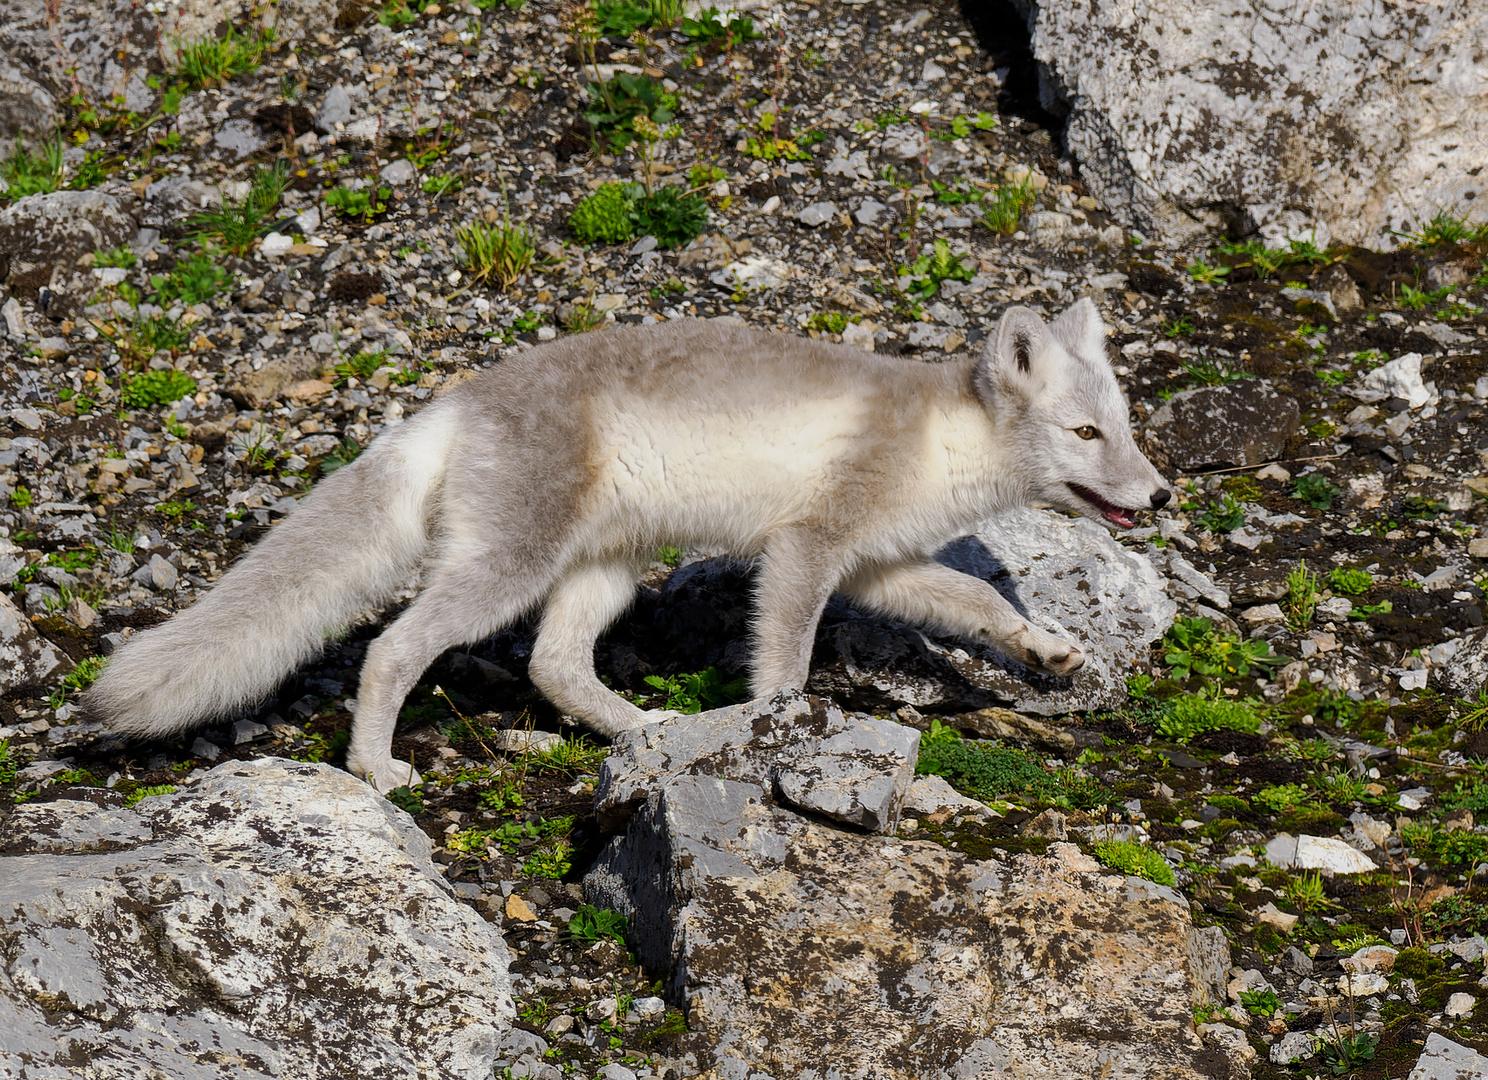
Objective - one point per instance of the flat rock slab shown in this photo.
(1443, 1059)
(1237, 424)
(276, 919)
(806, 951)
(1318, 853)
(60, 226)
(801, 749)
(1065, 574)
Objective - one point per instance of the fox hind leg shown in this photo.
(797, 575)
(454, 610)
(580, 608)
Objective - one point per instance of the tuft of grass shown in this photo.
(1447, 228)
(1005, 206)
(25, 173)
(1301, 598)
(501, 253)
(208, 61)
(238, 225)
(1192, 715)
(157, 388)
(1134, 859)
(85, 674)
(144, 336)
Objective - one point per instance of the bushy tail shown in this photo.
(350, 544)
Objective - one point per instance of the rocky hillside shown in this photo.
(249, 247)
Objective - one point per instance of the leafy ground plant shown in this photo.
(934, 267)
(362, 204)
(590, 924)
(1316, 490)
(1223, 514)
(603, 217)
(1196, 647)
(1134, 859)
(157, 388)
(701, 690)
(148, 791)
(615, 103)
(672, 216)
(615, 212)
(144, 336)
(710, 27)
(194, 280)
(1350, 581)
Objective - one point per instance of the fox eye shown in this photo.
(1087, 432)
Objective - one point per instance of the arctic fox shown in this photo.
(549, 483)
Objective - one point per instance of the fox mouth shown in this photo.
(1117, 515)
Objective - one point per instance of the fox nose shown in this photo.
(1160, 498)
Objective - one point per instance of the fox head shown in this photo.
(1063, 418)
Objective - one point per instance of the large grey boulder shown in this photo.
(1235, 424)
(1443, 1059)
(804, 950)
(1066, 574)
(1190, 115)
(59, 226)
(1466, 673)
(275, 919)
(26, 658)
(800, 749)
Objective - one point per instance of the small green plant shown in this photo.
(669, 555)
(769, 145)
(956, 193)
(987, 771)
(407, 799)
(211, 61)
(590, 924)
(1134, 859)
(361, 366)
(8, 762)
(363, 204)
(1262, 1002)
(1350, 581)
(501, 253)
(614, 105)
(1447, 228)
(85, 674)
(1223, 514)
(1345, 1053)
(1006, 204)
(20, 498)
(1192, 715)
(345, 453)
(574, 756)
(193, 281)
(237, 225)
(604, 217)
(552, 860)
(1208, 371)
(25, 173)
(933, 267)
(1196, 647)
(1301, 599)
(120, 256)
(1205, 274)
(157, 388)
(535, 1012)
(701, 690)
(622, 17)
(144, 336)
(672, 216)
(140, 793)
(710, 28)
(1413, 299)
(441, 185)
(1316, 490)
(1306, 891)
(1177, 328)
(830, 322)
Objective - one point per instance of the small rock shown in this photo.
(614, 1071)
(204, 748)
(1293, 1047)
(647, 1007)
(245, 731)
(1270, 913)
(399, 172)
(525, 742)
(1362, 985)
(1262, 614)
(601, 1011)
(275, 245)
(157, 574)
(518, 909)
(560, 1025)
(15, 319)
(1050, 824)
(1400, 378)
(1317, 853)
(1371, 958)
(868, 211)
(1470, 949)
(26, 658)
(817, 214)
(1234, 425)
(335, 109)
(1460, 1005)
(1296, 961)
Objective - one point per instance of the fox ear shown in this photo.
(1016, 352)
(1082, 331)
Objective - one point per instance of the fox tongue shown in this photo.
(1120, 517)
(1117, 515)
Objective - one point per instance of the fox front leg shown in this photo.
(937, 596)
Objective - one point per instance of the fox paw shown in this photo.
(386, 775)
(1043, 651)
